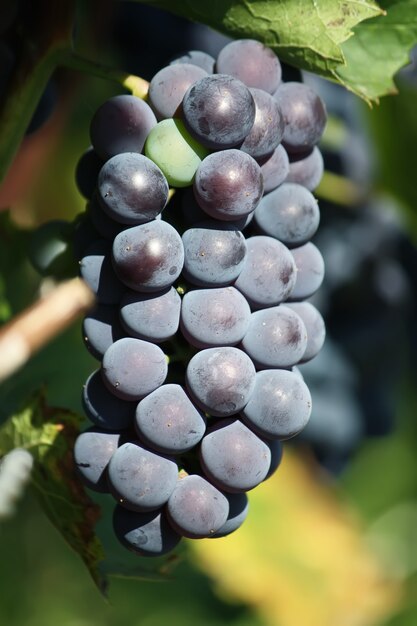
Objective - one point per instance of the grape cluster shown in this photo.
(200, 319)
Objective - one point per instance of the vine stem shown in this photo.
(135, 84)
(33, 328)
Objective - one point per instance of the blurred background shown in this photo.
(331, 539)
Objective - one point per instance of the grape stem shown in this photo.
(135, 84)
(26, 333)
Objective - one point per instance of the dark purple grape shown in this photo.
(310, 271)
(280, 405)
(101, 327)
(275, 169)
(252, 62)
(87, 170)
(269, 273)
(148, 257)
(233, 457)
(132, 189)
(151, 316)
(93, 450)
(238, 511)
(220, 380)
(277, 450)
(219, 111)
(213, 256)
(193, 215)
(83, 235)
(146, 534)
(168, 421)
(104, 225)
(276, 337)
(132, 368)
(139, 479)
(228, 185)
(308, 171)
(290, 213)
(316, 329)
(268, 127)
(103, 408)
(304, 115)
(196, 57)
(196, 509)
(168, 86)
(97, 271)
(121, 124)
(214, 317)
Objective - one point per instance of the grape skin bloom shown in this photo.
(132, 368)
(220, 380)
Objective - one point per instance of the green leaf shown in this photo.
(85, 523)
(49, 434)
(306, 33)
(378, 49)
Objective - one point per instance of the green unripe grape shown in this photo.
(176, 153)
(50, 250)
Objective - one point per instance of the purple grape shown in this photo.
(314, 323)
(310, 271)
(83, 235)
(269, 273)
(101, 328)
(304, 115)
(151, 316)
(139, 479)
(233, 457)
(193, 215)
(168, 421)
(223, 323)
(252, 62)
(196, 57)
(97, 271)
(277, 450)
(213, 256)
(280, 405)
(238, 511)
(290, 213)
(196, 509)
(220, 380)
(93, 450)
(146, 534)
(132, 368)
(121, 124)
(219, 111)
(132, 189)
(275, 169)
(103, 408)
(168, 86)
(228, 185)
(308, 171)
(86, 173)
(276, 337)
(268, 127)
(148, 257)
(104, 225)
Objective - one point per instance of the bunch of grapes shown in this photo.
(200, 320)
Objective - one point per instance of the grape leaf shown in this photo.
(85, 523)
(301, 557)
(48, 434)
(378, 49)
(306, 33)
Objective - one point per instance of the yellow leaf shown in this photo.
(301, 557)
